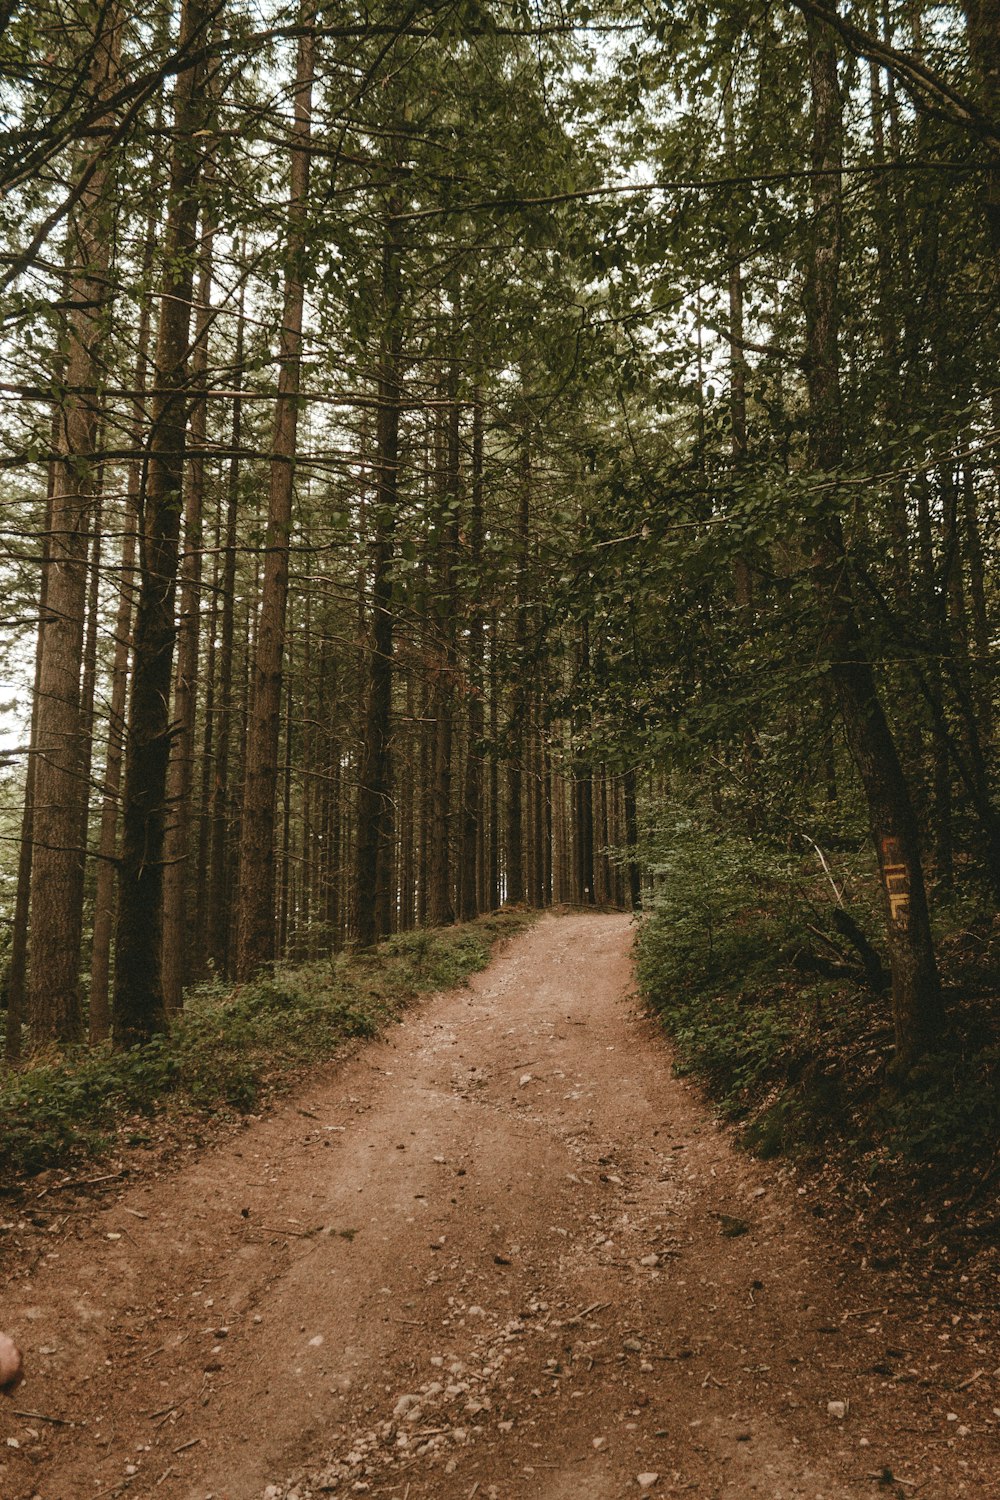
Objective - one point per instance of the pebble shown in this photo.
(646, 1481)
(837, 1410)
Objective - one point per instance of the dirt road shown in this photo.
(501, 1254)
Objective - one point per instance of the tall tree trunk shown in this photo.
(222, 792)
(472, 791)
(519, 701)
(104, 895)
(255, 912)
(493, 861)
(632, 839)
(177, 945)
(139, 1011)
(375, 810)
(916, 993)
(56, 918)
(441, 905)
(17, 971)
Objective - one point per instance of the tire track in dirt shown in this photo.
(501, 1254)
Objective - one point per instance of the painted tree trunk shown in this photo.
(916, 992)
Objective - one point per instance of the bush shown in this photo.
(727, 957)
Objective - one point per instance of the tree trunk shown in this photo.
(59, 794)
(17, 971)
(441, 906)
(517, 734)
(177, 945)
(255, 911)
(104, 895)
(916, 993)
(375, 810)
(222, 794)
(139, 1011)
(632, 839)
(472, 791)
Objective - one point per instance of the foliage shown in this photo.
(231, 1050)
(727, 957)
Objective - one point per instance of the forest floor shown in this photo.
(501, 1253)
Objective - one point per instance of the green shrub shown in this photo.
(803, 1063)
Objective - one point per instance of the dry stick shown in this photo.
(585, 1311)
(40, 1416)
(300, 1234)
(70, 1182)
(189, 1444)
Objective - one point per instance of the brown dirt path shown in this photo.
(502, 1254)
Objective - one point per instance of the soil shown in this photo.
(501, 1253)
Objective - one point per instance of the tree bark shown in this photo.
(375, 809)
(441, 905)
(219, 882)
(916, 994)
(138, 1007)
(177, 945)
(255, 912)
(59, 793)
(472, 791)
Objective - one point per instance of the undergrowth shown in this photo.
(768, 1006)
(230, 1050)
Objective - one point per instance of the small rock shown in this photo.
(524, 1078)
(633, 1345)
(837, 1410)
(646, 1481)
(650, 1260)
(598, 1442)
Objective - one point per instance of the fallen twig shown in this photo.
(586, 1311)
(69, 1182)
(40, 1416)
(299, 1234)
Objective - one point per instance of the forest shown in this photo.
(471, 455)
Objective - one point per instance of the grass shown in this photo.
(231, 1050)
